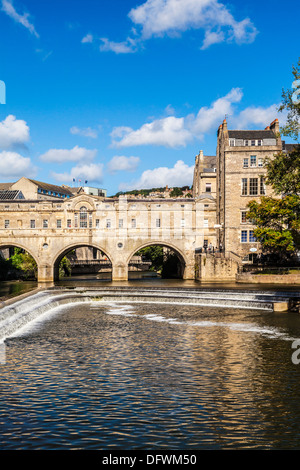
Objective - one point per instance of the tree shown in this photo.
(292, 127)
(176, 192)
(23, 263)
(277, 219)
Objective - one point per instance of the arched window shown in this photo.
(83, 217)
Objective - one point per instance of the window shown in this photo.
(253, 160)
(69, 223)
(245, 162)
(182, 223)
(32, 224)
(259, 143)
(260, 162)
(97, 223)
(108, 223)
(90, 220)
(133, 223)
(208, 187)
(83, 217)
(243, 217)
(120, 223)
(58, 223)
(45, 223)
(262, 186)
(76, 220)
(251, 236)
(158, 223)
(6, 224)
(253, 186)
(231, 142)
(244, 186)
(205, 223)
(246, 143)
(244, 236)
(252, 143)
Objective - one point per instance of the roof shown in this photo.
(5, 186)
(290, 147)
(52, 187)
(251, 134)
(10, 195)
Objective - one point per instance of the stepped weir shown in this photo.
(17, 313)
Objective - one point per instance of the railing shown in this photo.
(256, 269)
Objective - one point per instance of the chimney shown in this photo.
(274, 126)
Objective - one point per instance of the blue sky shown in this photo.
(124, 93)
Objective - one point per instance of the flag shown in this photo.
(73, 180)
(85, 182)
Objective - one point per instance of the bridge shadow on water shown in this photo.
(153, 280)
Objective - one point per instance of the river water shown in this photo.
(142, 376)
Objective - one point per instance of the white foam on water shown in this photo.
(270, 332)
(36, 323)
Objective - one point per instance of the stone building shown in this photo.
(240, 178)
(204, 191)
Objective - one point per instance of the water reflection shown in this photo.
(146, 376)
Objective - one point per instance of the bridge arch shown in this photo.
(59, 255)
(5, 246)
(178, 252)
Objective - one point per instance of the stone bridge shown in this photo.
(119, 227)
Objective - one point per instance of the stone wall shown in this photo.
(212, 268)
(287, 279)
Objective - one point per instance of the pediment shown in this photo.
(83, 200)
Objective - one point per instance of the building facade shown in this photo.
(50, 221)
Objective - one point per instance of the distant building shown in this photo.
(94, 191)
(32, 189)
(8, 195)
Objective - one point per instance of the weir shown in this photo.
(18, 313)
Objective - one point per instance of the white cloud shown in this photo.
(88, 38)
(258, 116)
(122, 163)
(209, 118)
(180, 175)
(13, 132)
(75, 154)
(92, 172)
(212, 37)
(124, 47)
(14, 166)
(9, 9)
(169, 131)
(86, 132)
(177, 132)
(164, 17)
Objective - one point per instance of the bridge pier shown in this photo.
(45, 274)
(119, 272)
(189, 271)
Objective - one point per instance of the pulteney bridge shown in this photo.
(119, 227)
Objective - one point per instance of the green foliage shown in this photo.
(155, 254)
(283, 172)
(23, 263)
(176, 192)
(292, 127)
(163, 261)
(65, 267)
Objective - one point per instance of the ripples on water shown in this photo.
(150, 376)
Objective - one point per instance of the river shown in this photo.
(142, 376)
